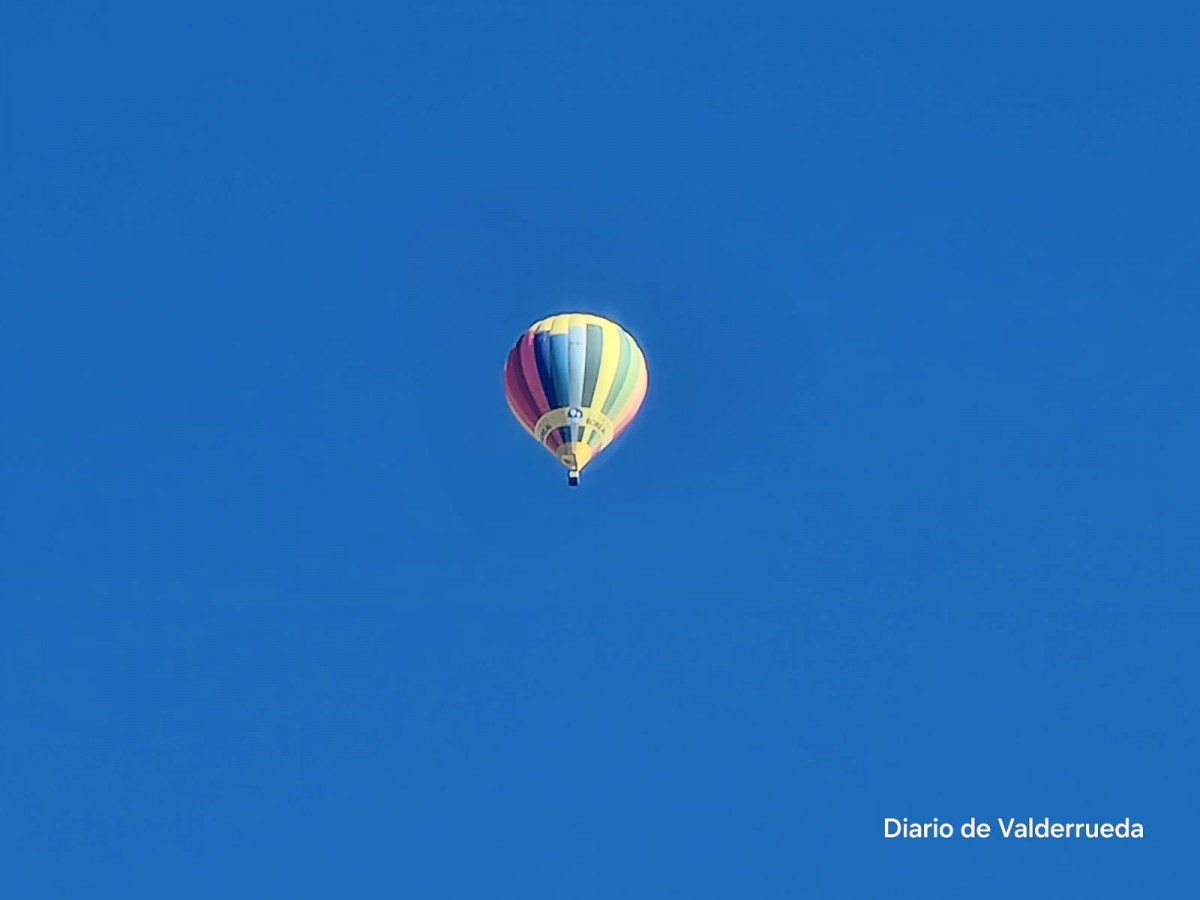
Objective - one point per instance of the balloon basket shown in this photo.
(573, 479)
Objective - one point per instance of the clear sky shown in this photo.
(292, 607)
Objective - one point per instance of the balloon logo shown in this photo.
(575, 381)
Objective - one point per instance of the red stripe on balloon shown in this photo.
(529, 369)
(517, 388)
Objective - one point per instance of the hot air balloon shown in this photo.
(575, 381)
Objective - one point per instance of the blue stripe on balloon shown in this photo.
(541, 348)
(558, 368)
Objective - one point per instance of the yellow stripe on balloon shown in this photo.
(637, 365)
(609, 356)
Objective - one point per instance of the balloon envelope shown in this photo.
(575, 381)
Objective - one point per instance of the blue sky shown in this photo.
(907, 525)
